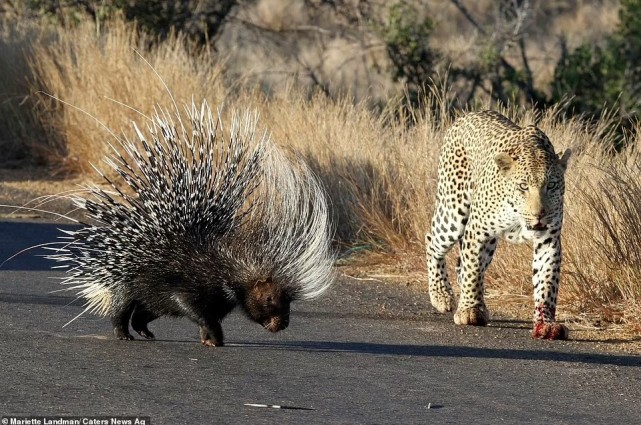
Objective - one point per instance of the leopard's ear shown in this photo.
(504, 162)
(563, 159)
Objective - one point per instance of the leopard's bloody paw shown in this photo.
(550, 330)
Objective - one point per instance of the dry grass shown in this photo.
(20, 130)
(380, 173)
(99, 74)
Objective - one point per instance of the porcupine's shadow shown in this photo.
(441, 351)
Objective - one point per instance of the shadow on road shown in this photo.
(22, 241)
(10, 298)
(428, 313)
(447, 351)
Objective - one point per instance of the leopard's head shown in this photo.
(534, 179)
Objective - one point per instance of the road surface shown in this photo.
(344, 357)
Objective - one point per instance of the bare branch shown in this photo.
(468, 16)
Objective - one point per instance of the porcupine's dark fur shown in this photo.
(202, 225)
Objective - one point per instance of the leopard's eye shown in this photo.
(552, 185)
(523, 187)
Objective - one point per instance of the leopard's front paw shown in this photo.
(473, 316)
(442, 300)
(550, 330)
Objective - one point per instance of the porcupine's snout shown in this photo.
(268, 303)
(275, 316)
(277, 323)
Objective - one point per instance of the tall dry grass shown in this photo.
(111, 76)
(20, 130)
(379, 172)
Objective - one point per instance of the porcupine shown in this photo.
(196, 225)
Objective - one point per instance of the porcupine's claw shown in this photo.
(205, 335)
(211, 343)
(123, 335)
(145, 333)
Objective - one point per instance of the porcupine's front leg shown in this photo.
(211, 333)
(208, 311)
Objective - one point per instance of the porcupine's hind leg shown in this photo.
(140, 318)
(120, 314)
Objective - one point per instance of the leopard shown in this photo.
(496, 181)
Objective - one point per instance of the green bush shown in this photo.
(607, 75)
(200, 19)
(406, 36)
(590, 77)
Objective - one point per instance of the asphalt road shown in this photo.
(366, 353)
